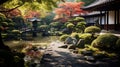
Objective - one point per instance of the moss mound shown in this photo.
(92, 29)
(87, 37)
(105, 41)
(63, 37)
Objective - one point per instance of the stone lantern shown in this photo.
(34, 25)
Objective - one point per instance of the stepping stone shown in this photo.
(89, 58)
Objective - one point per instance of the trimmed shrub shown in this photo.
(87, 37)
(80, 26)
(118, 43)
(75, 35)
(79, 19)
(2, 17)
(63, 37)
(4, 24)
(92, 29)
(105, 41)
(15, 31)
(70, 25)
(11, 24)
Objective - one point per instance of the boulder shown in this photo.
(68, 40)
(87, 53)
(72, 47)
(90, 58)
(63, 46)
(81, 43)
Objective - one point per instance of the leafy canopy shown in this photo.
(25, 5)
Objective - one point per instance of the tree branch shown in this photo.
(8, 10)
(63, 0)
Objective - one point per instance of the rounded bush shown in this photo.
(4, 24)
(70, 25)
(87, 37)
(63, 37)
(15, 31)
(75, 35)
(2, 17)
(43, 26)
(105, 41)
(92, 29)
(79, 19)
(118, 43)
(11, 24)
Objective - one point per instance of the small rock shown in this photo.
(64, 46)
(72, 47)
(87, 53)
(81, 43)
(75, 51)
(90, 58)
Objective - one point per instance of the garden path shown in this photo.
(60, 57)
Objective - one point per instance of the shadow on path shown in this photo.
(60, 57)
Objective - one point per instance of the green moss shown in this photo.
(63, 37)
(15, 31)
(118, 44)
(4, 24)
(92, 29)
(87, 37)
(75, 35)
(105, 41)
(70, 25)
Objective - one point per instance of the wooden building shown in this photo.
(109, 13)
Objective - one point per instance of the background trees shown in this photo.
(69, 9)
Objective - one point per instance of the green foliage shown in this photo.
(105, 41)
(63, 37)
(92, 29)
(43, 6)
(80, 26)
(16, 31)
(118, 44)
(48, 19)
(87, 37)
(4, 24)
(43, 27)
(66, 23)
(79, 19)
(75, 35)
(11, 24)
(2, 17)
(70, 25)
(55, 24)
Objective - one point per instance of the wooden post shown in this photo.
(115, 20)
(107, 19)
(118, 20)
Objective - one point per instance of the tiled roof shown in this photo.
(100, 3)
(97, 2)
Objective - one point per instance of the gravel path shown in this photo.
(60, 57)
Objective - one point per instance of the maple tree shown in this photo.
(13, 13)
(31, 14)
(69, 9)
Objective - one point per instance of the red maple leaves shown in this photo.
(31, 14)
(69, 9)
